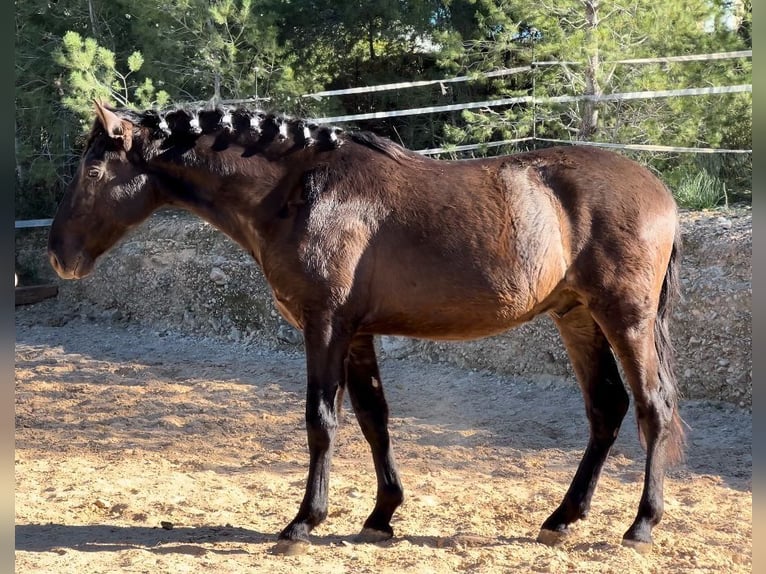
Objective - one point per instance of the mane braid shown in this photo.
(250, 128)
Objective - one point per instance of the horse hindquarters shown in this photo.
(631, 305)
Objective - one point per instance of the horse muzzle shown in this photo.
(77, 269)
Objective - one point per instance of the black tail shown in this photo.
(670, 294)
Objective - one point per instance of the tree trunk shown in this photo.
(217, 88)
(589, 125)
(371, 39)
(93, 21)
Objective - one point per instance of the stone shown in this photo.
(218, 276)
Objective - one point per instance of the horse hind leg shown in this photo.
(644, 352)
(606, 402)
(369, 403)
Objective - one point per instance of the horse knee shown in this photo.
(320, 428)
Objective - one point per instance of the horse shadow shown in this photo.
(112, 538)
(199, 540)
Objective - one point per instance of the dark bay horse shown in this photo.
(358, 236)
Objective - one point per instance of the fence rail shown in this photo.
(510, 71)
(27, 223)
(532, 99)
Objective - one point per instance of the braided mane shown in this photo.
(252, 127)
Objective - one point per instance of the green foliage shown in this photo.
(592, 36)
(93, 75)
(699, 190)
(213, 50)
(135, 61)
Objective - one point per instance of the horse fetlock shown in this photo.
(568, 512)
(316, 516)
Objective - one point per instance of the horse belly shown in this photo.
(470, 290)
(455, 308)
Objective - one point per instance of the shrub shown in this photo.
(700, 190)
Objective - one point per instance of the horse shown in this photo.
(358, 236)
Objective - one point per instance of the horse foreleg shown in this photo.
(366, 393)
(606, 402)
(326, 350)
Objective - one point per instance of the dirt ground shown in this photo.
(121, 429)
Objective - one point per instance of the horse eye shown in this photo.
(94, 173)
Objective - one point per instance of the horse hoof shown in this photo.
(291, 547)
(551, 537)
(371, 535)
(638, 545)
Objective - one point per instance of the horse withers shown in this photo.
(357, 236)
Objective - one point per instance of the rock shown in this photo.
(395, 347)
(288, 334)
(723, 222)
(218, 276)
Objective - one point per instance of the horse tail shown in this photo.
(668, 385)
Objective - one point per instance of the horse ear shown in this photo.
(115, 127)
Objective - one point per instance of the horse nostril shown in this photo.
(54, 260)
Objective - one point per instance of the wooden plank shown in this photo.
(35, 293)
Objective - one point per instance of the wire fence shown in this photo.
(534, 100)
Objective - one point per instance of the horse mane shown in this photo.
(252, 127)
(383, 145)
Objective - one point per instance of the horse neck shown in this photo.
(222, 187)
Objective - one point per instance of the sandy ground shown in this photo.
(120, 429)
